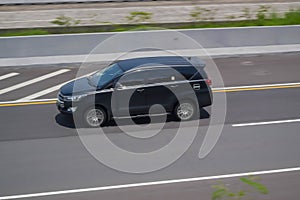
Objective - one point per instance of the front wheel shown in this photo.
(95, 117)
(185, 111)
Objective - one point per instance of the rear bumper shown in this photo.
(205, 98)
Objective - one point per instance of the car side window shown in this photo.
(187, 72)
(160, 76)
(133, 78)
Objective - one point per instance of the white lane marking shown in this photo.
(108, 57)
(257, 86)
(8, 75)
(47, 91)
(134, 185)
(39, 94)
(266, 123)
(41, 78)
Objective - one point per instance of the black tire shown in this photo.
(89, 117)
(188, 114)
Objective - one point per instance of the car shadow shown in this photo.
(68, 121)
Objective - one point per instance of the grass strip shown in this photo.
(290, 18)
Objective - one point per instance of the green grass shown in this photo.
(290, 18)
(25, 32)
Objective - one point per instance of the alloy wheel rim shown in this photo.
(95, 117)
(185, 111)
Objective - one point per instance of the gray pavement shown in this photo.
(287, 189)
(60, 3)
(122, 2)
(60, 163)
(159, 14)
(42, 152)
(83, 44)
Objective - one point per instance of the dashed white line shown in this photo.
(29, 82)
(134, 185)
(8, 75)
(266, 123)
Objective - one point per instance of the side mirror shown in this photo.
(118, 86)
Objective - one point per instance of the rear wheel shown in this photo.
(185, 110)
(95, 117)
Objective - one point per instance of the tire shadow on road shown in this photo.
(68, 121)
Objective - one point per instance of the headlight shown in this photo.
(74, 98)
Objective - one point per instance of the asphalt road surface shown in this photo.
(41, 152)
(92, 43)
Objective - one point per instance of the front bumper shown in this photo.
(64, 110)
(65, 107)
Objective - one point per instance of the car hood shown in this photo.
(76, 87)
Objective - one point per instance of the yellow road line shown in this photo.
(258, 88)
(215, 91)
(27, 103)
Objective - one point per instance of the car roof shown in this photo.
(129, 64)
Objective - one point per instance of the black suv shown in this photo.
(144, 82)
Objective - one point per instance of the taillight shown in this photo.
(208, 81)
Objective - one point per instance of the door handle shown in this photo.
(196, 86)
(140, 90)
(174, 86)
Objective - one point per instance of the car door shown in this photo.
(161, 88)
(130, 94)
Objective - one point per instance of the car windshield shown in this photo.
(104, 76)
